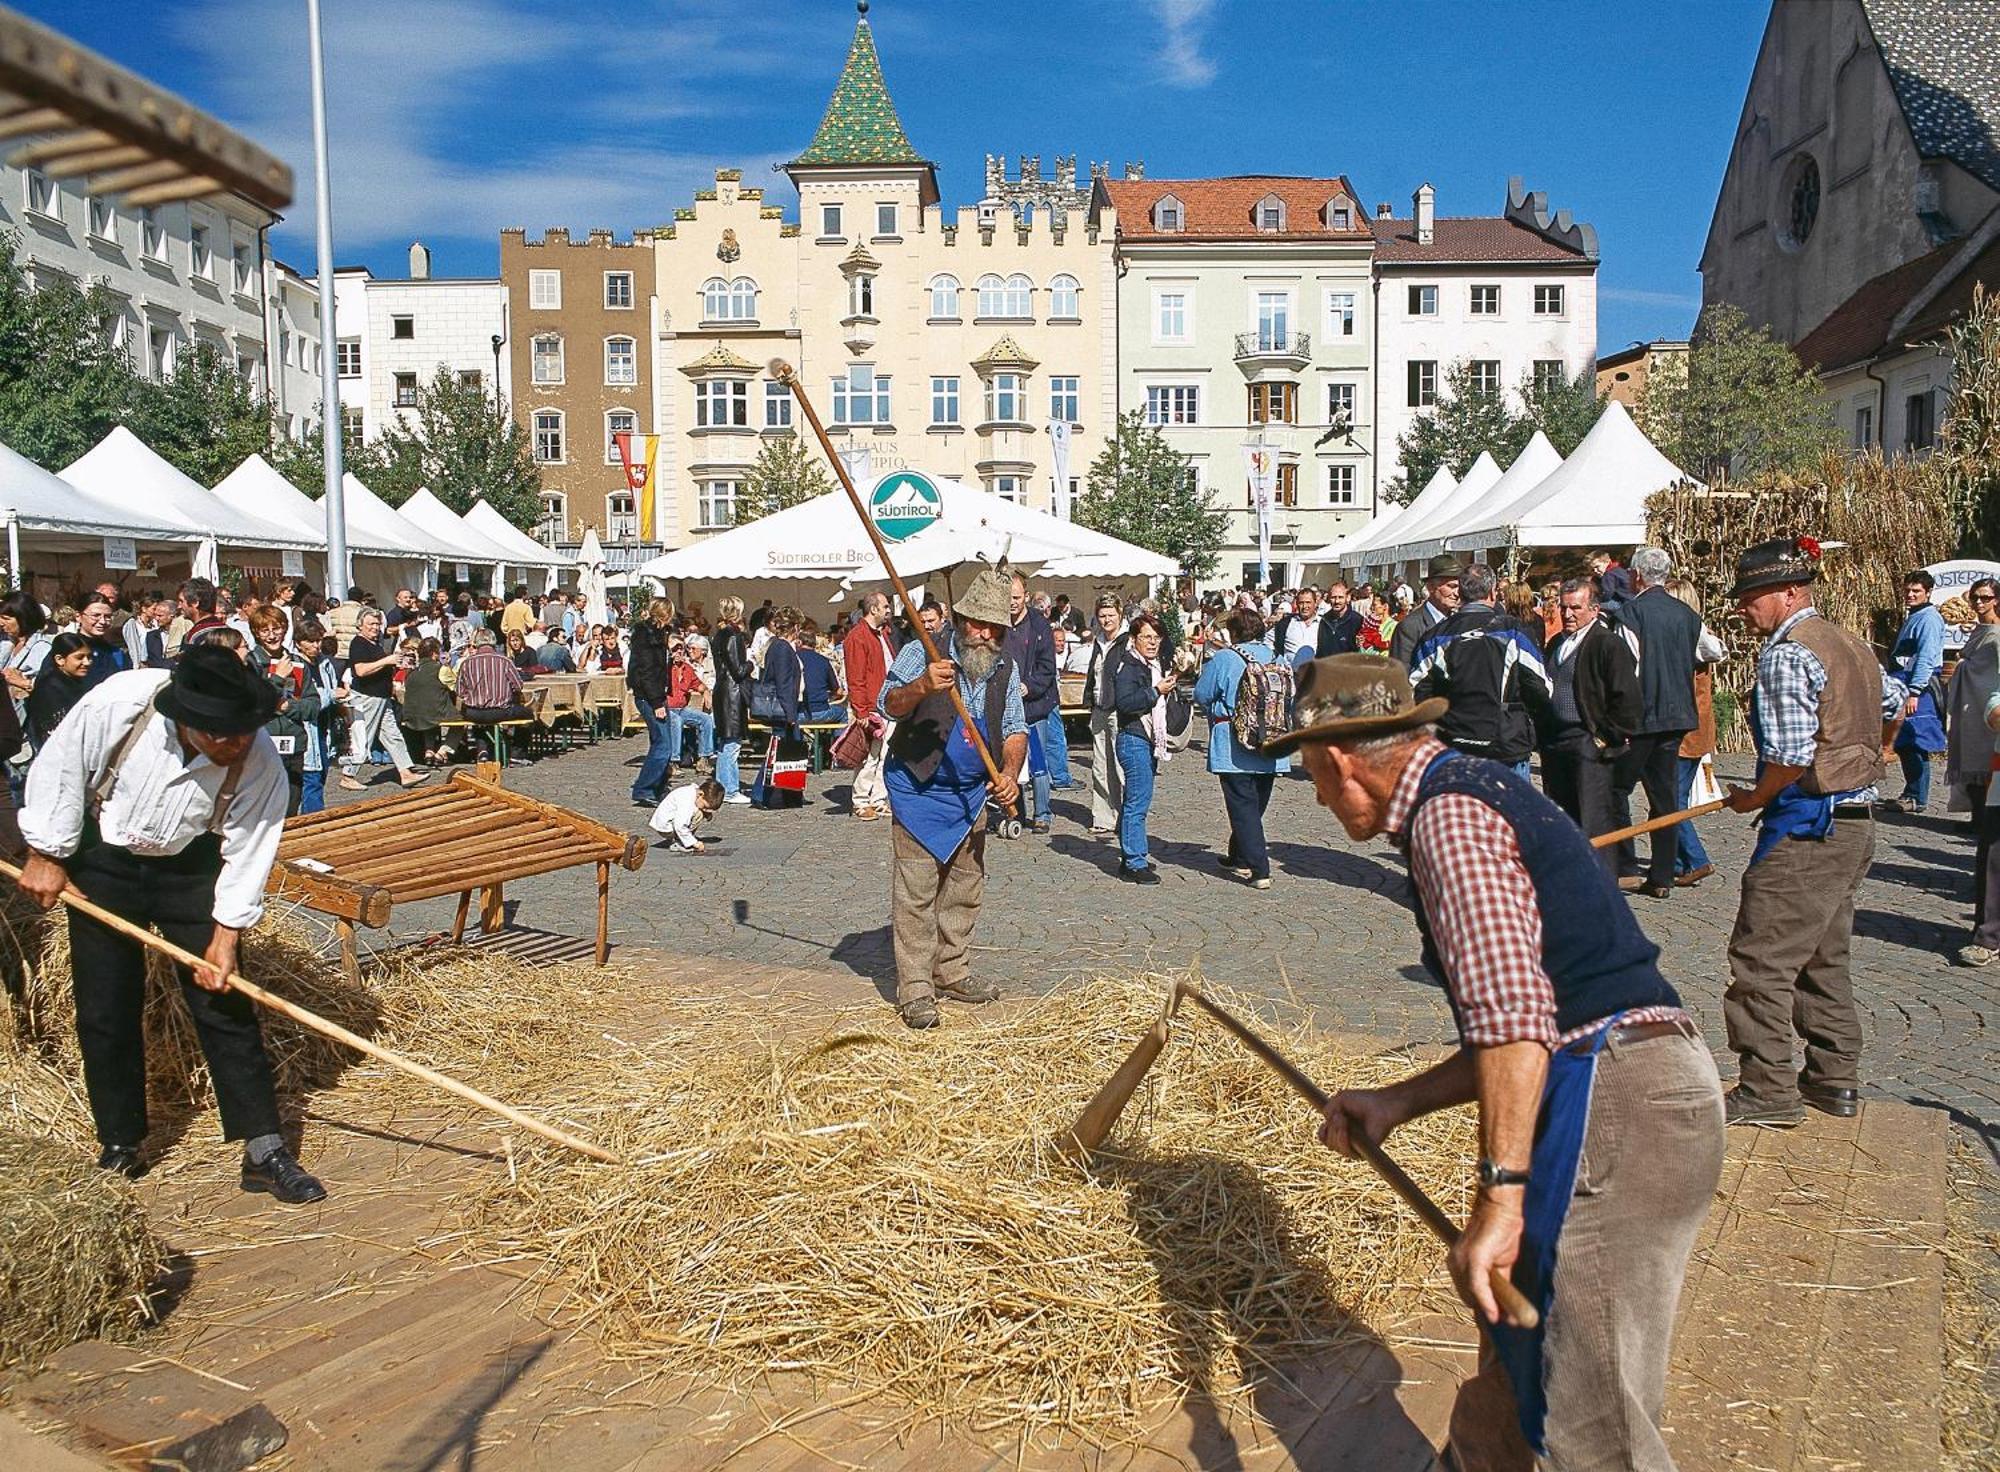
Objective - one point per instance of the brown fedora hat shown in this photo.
(1346, 696)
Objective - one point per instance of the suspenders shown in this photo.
(107, 780)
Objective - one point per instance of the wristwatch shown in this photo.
(1491, 1174)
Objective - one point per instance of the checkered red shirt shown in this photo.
(1484, 918)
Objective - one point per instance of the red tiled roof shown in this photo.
(1224, 209)
(1859, 326)
(1956, 299)
(1478, 238)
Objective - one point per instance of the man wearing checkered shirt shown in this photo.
(1600, 1115)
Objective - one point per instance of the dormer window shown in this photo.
(1270, 213)
(1169, 214)
(1340, 213)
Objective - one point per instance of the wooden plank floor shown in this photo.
(1805, 1341)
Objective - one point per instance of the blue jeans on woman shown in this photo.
(312, 791)
(727, 770)
(703, 724)
(1055, 746)
(651, 783)
(1138, 763)
(1916, 776)
(1689, 854)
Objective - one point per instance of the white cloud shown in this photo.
(1183, 24)
(455, 118)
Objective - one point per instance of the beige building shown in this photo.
(943, 343)
(1623, 375)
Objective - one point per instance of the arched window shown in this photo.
(621, 360)
(548, 359)
(1014, 297)
(944, 296)
(715, 299)
(728, 301)
(549, 437)
(743, 298)
(1168, 214)
(1270, 213)
(992, 291)
(1063, 297)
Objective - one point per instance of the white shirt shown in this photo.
(1301, 636)
(676, 816)
(163, 799)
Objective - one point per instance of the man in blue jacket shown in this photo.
(1918, 655)
(1669, 633)
(1032, 648)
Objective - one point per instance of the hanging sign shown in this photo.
(1951, 596)
(1059, 467)
(463, 573)
(292, 563)
(121, 554)
(903, 503)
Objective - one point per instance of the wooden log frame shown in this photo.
(469, 834)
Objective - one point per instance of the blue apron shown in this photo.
(939, 813)
(1793, 813)
(1923, 729)
(1559, 1131)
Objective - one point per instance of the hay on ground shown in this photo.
(884, 1210)
(76, 1256)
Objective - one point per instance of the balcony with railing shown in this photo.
(1273, 348)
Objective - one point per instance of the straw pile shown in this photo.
(885, 1211)
(76, 1256)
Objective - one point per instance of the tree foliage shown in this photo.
(1142, 489)
(1967, 459)
(1468, 418)
(1738, 402)
(62, 385)
(785, 473)
(462, 445)
(205, 418)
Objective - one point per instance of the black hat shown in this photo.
(1444, 565)
(213, 690)
(1774, 563)
(1351, 696)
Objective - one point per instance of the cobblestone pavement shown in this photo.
(1333, 932)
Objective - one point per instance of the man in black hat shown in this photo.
(1600, 1116)
(1816, 717)
(161, 798)
(1440, 603)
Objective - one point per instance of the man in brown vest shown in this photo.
(1817, 720)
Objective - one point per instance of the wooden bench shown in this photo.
(358, 861)
(460, 727)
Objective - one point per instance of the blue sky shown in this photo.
(454, 118)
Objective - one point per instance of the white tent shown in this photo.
(1342, 550)
(255, 486)
(1393, 549)
(36, 500)
(440, 521)
(1536, 462)
(1596, 498)
(525, 550)
(124, 471)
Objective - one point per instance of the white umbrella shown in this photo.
(207, 560)
(590, 578)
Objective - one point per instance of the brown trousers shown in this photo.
(932, 909)
(1788, 964)
(1652, 1155)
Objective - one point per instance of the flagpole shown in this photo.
(337, 574)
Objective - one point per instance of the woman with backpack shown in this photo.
(1246, 775)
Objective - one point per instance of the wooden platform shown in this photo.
(1810, 1337)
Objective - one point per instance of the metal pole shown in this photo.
(14, 579)
(337, 576)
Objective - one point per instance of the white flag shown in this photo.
(1262, 466)
(1059, 461)
(860, 463)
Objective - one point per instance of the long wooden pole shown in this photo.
(782, 371)
(334, 1030)
(1665, 820)
(1512, 1302)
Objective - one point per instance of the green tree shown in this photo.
(302, 461)
(783, 474)
(462, 446)
(1142, 489)
(1564, 409)
(62, 385)
(1466, 419)
(205, 418)
(1744, 403)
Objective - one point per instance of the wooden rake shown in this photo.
(1094, 1125)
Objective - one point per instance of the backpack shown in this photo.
(1263, 702)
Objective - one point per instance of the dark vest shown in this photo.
(1847, 749)
(1592, 948)
(1669, 632)
(919, 738)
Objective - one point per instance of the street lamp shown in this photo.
(497, 341)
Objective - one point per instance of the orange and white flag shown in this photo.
(639, 454)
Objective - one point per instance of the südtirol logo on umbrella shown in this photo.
(903, 504)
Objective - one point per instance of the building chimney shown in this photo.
(420, 261)
(1424, 206)
(1384, 211)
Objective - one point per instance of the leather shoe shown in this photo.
(122, 1160)
(974, 992)
(1741, 1108)
(1147, 875)
(1631, 883)
(1694, 876)
(1841, 1103)
(1656, 891)
(919, 1013)
(282, 1177)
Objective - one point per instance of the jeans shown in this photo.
(1688, 851)
(819, 715)
(1138, 763)
(727, 772)
(650, 785)
(1055, 745)
(1916, 776)
(1245, 795)
(703, 724)
(312, 792)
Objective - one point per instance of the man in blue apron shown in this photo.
(1817, 717)
(938, 788)
(1600, 1115)
(1918, 659)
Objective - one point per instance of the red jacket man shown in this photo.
(867, 651)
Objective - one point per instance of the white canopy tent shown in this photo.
(53, 518)
(1342, 551)
(437, 519)
(404, 554)
(1417, 531)
(815, 553)
(525, 550)
(1536, 462)
(1596, 498)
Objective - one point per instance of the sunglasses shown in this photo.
(1982, 597)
